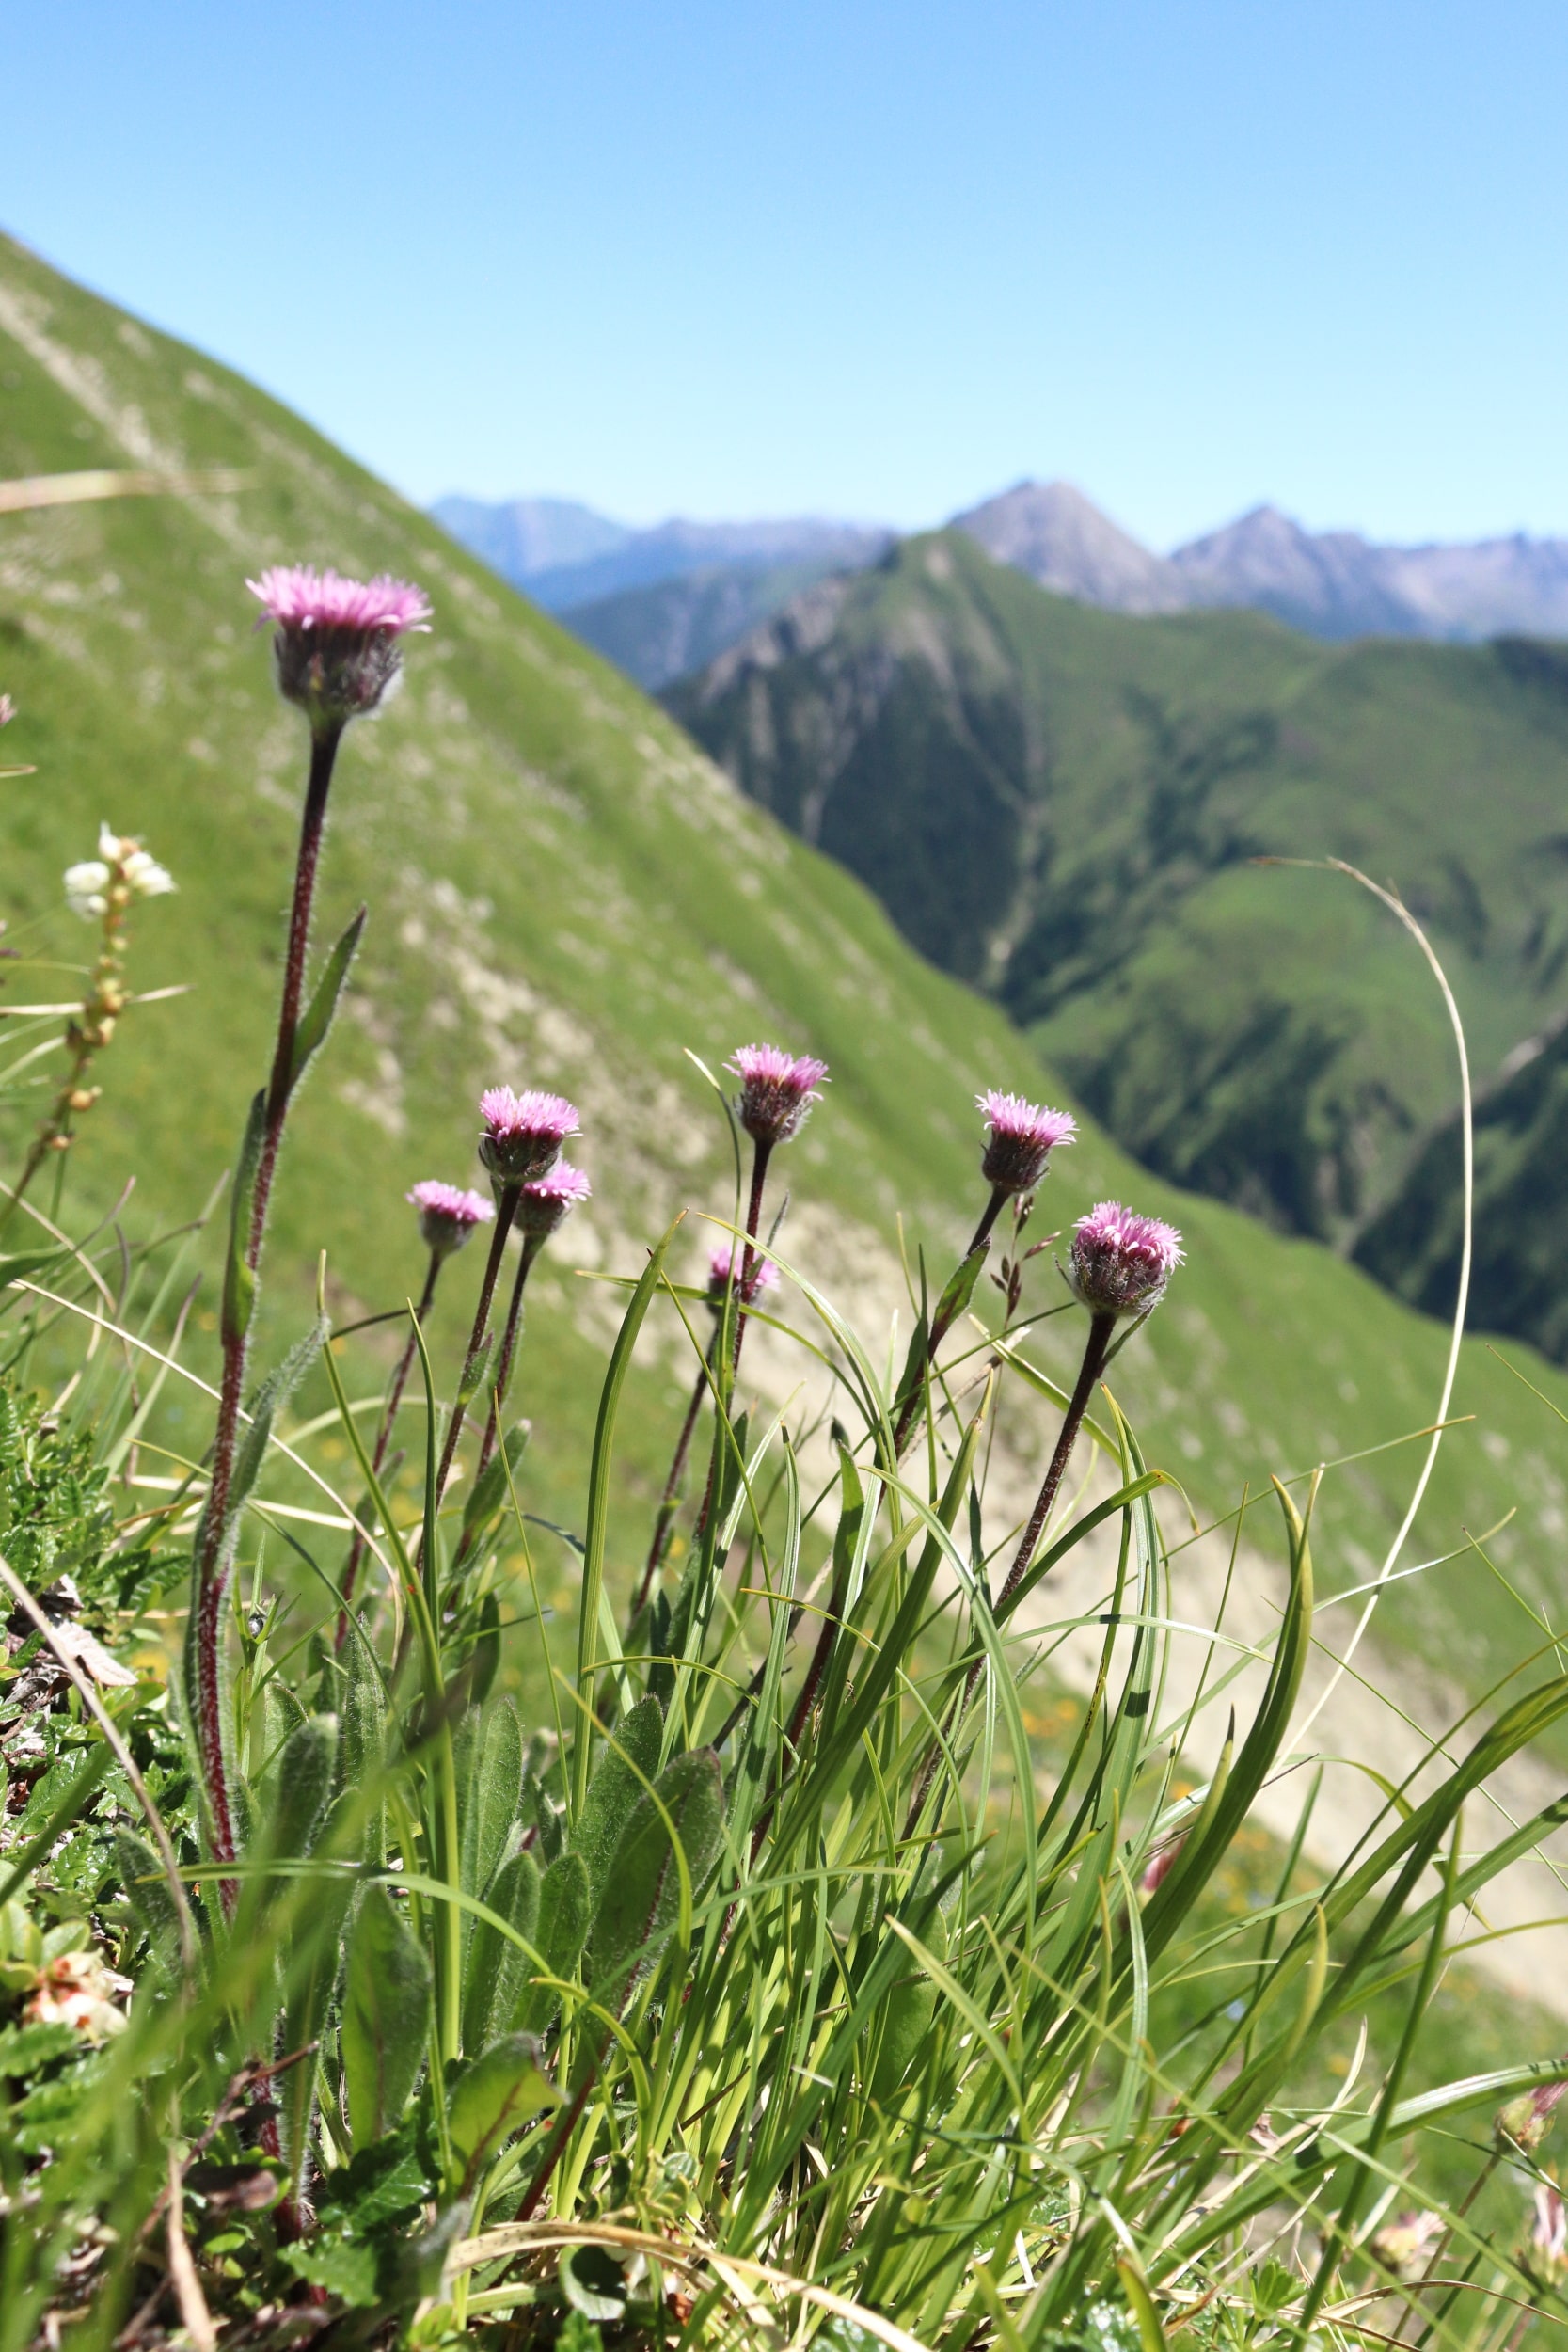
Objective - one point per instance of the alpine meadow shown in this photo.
(684, 1665)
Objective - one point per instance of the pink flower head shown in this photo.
(547, 1203)
(724, 1264)
(7, 710)
(447, 1215)
(1404, 2244)
(335, 645)
(1549, 2236)
(777, 1090)
(524, 1133)
(1122, 1261)
(1022, 1138)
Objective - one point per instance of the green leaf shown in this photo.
(628, 1764)
(476, 1371)
(146, 1889)
(269, 1400)
(596, 1534)
(496, 1970)
(906, 2020)
(489, 1792)
(310, 1035)
(238, 1279)
(345, 2268)
(300, 1789)
(25, 1263)
(641, 1898)
(385, 2016)
(566, 1908)
(550, 1824)
(496, 2096)
(491, 1488)
(594, 2281)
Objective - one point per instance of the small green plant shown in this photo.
(776, 1984)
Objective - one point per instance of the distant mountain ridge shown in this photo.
(1332, 583)
(664, 602)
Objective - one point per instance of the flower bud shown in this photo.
(447, 1215)
(1525, 2122)
(543, 1206)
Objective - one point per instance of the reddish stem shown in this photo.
(762, 1152)
(506, 1209)
(531, 1247)
(911, 1411)
(213, 1566)
(384, 1434)
(669, 1502)
(1095, 1351)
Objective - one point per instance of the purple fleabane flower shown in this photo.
(1022, 1138)
(524, 1133)
(777, 1090)
(1121, 1262)
(337, 640)
(724, 1263)
(447, 1215)
(543, 1205)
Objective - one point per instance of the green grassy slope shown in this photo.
(563, 891)
(1060, 804)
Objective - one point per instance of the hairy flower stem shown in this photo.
(1096, 1349)
(762, 1152)
(532, 1244)
(506, 1210)
(384, 1434)
(669, 1502)
(911, 1411)
(212, 1563)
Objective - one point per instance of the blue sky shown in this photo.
(724, 257)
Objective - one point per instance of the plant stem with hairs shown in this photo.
(214, 1548)
(506, 1210)
(532, 1244)
(910, 1412)
(762, 1152)
(1097, 1347)
(384, 1434)
(669, 1502)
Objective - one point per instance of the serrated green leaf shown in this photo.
(504, 2088)
(496, 1970)
(343, 2266)
(311, 1034)
(385, 2016)
(630, 1761)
